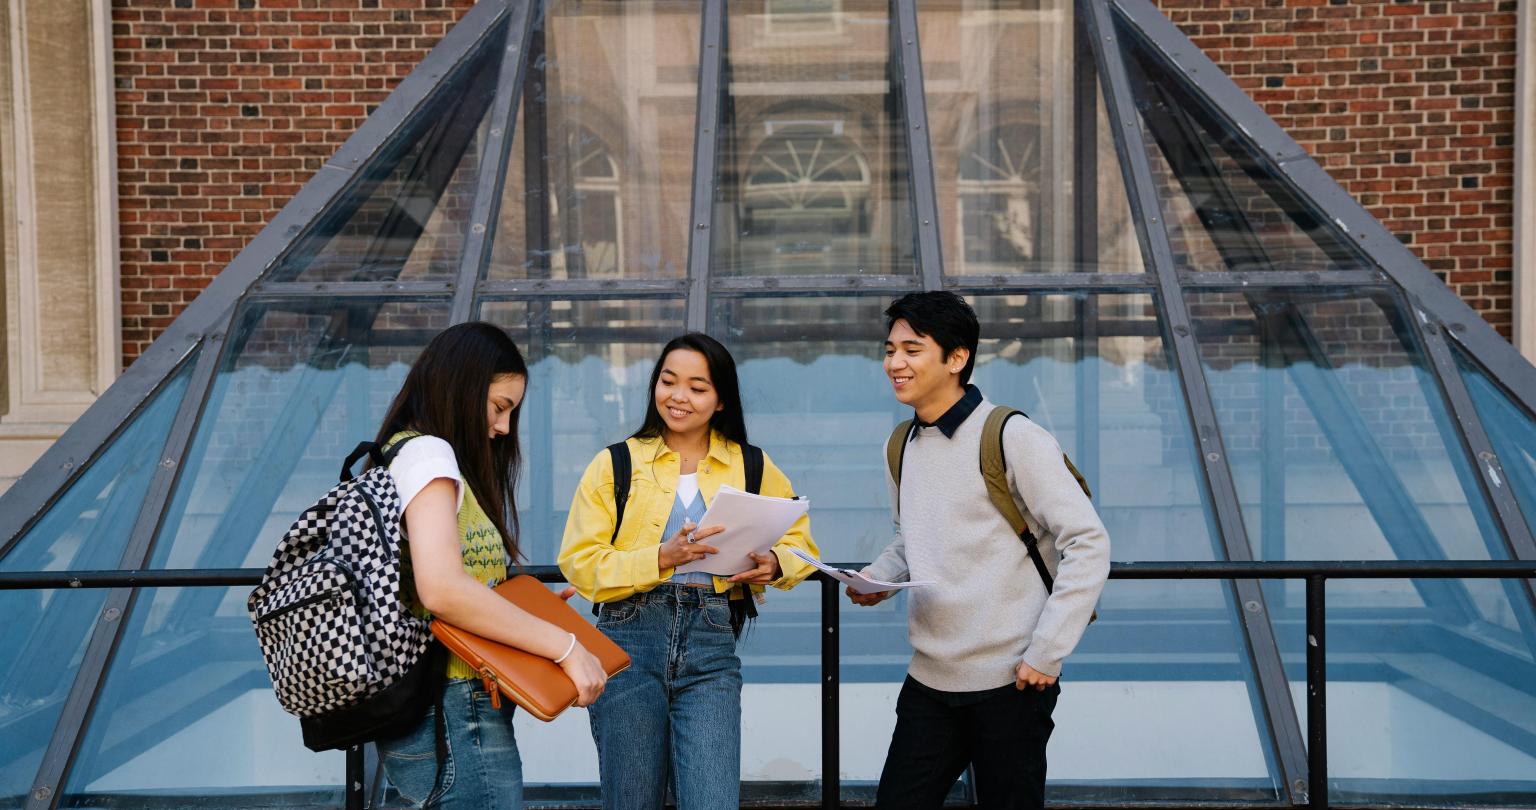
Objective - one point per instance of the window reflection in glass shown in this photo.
(300, 385)
(1224, 207)
(599, 184)
(812, 164)
(1026, 172)
(46, 630)
(407, 218)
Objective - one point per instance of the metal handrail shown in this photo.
(1315, 573)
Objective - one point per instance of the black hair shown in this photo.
(943, 316)
(729, 420)
(444, 395)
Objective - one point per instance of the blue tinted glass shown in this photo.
(1338, 439)
(187, 711)
(1509, 427)
(1093, 371)
(300, 385)
(46, 630)
(1425, 706)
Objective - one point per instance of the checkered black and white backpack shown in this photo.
(344, 653)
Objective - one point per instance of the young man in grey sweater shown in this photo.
(988, 637)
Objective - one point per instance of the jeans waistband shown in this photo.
(682, 592)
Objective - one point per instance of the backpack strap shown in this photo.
(752, 464)
(378, 456)
(994, 469)
(619, 454)
(896, 452)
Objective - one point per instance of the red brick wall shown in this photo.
(1410, 105)
(224, 109)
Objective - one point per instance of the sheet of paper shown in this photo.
(752, 523)
(856, 580)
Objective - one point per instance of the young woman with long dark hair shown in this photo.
(456, 476)
(674, 717)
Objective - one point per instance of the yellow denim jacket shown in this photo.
(605, 569)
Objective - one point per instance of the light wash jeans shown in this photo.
(482, 768)
(673, 719)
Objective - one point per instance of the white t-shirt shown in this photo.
(687, 488)
(421, 461)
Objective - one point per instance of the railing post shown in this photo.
(831, 739)
(354, 790)
(1317, 693)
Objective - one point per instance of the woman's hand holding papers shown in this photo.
(767, 569)
(683, 549)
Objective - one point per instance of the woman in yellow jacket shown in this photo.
(674, 717)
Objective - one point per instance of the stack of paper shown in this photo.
(752, 523)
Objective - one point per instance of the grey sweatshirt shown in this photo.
(989, 609)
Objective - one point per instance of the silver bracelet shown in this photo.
(568, 649)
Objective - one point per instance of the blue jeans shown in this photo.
(482, 768)
(673, 719)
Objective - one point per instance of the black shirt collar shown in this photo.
(957, 413)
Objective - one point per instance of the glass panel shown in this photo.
(1224, 208)
(407, 218)
(302, 384)
(612, 106)
(1341, 449)
(1509, 427)
(1022, 155)
(1093, 371)
(46, 630)
(813, 174)
(1424, 708)
(1338, 439)
(187, 711)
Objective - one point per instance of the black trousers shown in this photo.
(1002, 733)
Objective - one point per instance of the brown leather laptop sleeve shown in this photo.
(537, 684)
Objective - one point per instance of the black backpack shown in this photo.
(345, 654)
(743, 609)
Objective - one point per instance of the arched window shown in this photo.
(806, 199)
(593, 216)
(1000, 201)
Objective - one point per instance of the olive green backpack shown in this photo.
(994, 470)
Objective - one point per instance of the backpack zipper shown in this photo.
(302, 603)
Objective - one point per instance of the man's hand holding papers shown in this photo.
(857, 582)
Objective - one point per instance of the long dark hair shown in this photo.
(444, 395)
(729, 420)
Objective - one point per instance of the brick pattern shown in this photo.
(1408, 104)
(224, 109)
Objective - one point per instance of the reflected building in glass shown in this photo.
(1243, 363)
